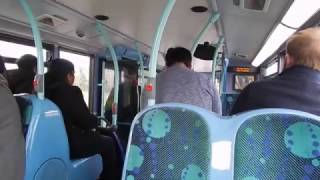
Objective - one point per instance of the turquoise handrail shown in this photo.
(215, 58)
(103, 86)
(223, 82)
(158, 36)
(39, 79)
(141, 74)
(108, 43)
(155, 49)
(213, 19)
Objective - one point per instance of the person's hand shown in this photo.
(108, 123)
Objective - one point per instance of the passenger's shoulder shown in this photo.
(203, 78)
(265, 82)
(76, 89)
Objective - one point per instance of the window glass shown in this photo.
(109, 80)
(13, 50)
(241, 81)
(82, 71)
(11, 66)
(273, 69)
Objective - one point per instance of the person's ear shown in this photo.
(289, 61)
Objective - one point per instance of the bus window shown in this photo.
(109, 78)
(82, 71)
(272, 69)
(241, 81)
(11, 66)
(14, 50)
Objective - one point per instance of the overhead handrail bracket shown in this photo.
(213, 19)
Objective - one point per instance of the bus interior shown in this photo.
(248, 37)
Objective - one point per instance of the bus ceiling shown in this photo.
(72, 23)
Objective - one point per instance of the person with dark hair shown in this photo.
(83, 135)
(178, 83)
(21, 80)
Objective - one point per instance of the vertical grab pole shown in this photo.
(214, 18)
(39, 79)
(141, 74)
(215, 57)
(107, 41)
(103, 88)
(224, 77)
(155, 49)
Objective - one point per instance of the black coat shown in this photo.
(21, 81)
(78, 120)
(296, 88)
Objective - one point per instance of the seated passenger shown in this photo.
(12, 143)
(21, 80)
(81, 126)
(178, 83)
(297, 87)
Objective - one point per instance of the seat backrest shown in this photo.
(46, 142)
(278, 145)
(25, 107)
(168, 143)
(176, 141)
(47, 147)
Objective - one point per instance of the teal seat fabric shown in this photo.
(177, 141)
(169, 143)
(278, 146)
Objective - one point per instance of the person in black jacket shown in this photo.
(128, 98)
(84, 138)
(21, 80)
(297, 87)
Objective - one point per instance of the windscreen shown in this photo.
(241, 81)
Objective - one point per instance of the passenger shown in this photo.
(21, 80)
(178, 83)
(297, 87)
(81, 126)
(12, 143)
(128, 98)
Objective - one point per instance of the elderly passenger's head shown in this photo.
(303, 48)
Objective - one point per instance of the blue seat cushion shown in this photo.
(169, 143)
(278, 146)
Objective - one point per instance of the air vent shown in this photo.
(256, 5)
(199, 9)
(51, 20)
(239, 55)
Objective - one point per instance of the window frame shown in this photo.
(91, 72)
